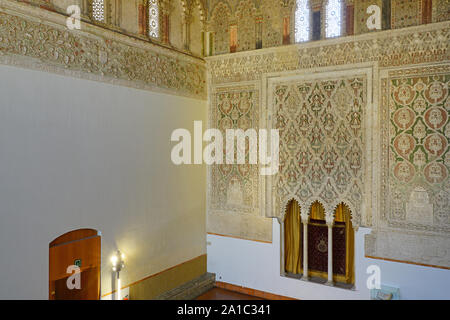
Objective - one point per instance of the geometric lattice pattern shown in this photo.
(321, 141)
(153, 19)
(98, 10)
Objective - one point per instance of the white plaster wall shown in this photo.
(257, 265)
(82, 154)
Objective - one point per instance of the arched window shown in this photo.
(324, 250)
(333, 18)
(220, 26)
(196, 31)
(98, 10)
(302, 21)
(153, 19)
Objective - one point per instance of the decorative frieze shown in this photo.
(40, 39)
(427, 43)
(406, 13)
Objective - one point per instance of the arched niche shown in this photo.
(196, 29)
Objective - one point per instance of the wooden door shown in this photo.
(79, 247)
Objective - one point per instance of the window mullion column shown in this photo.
(330, 221)
(305, 219)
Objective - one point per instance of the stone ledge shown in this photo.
(190, 290)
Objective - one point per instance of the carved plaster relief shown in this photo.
(39, 39)
(323, 122)
(415, 184)
(393, 48)
(233, 199)
(426, 43)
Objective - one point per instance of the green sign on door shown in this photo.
(77, 262)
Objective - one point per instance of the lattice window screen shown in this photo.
(98, 10)
(153, 19)
(302, 21)
(333, 18)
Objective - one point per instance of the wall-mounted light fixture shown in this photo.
(118, 263)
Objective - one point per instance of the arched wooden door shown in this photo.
(81, 248)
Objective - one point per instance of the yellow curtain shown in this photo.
(317, 211)
(292, 239)
(343, 214)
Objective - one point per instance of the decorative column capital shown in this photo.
(329, 219)
(305, 217)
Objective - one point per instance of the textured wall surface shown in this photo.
(264, 20)
(416, 166)
(94, 53)
(234, 188)
(415, 187)
(321, 121)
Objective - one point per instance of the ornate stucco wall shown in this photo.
(414, 217)
(401, 176)
(234, 188)
(40, 39)
(272, 22)
(397, 174)
(181, 22)
(321, 119)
